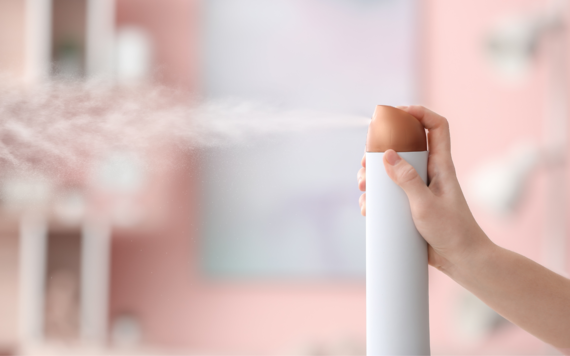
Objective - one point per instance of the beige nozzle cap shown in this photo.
(395, 129)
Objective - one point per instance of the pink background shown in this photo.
(154, 270)
(153, 277)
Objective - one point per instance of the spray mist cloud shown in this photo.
(55, 126)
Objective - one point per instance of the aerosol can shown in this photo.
(397, 308)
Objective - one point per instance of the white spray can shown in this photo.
(397, 307)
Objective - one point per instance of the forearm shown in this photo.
(524, 292)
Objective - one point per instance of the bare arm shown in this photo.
(524, 292)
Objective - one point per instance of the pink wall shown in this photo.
(172, 25)
(156, 277)
(9, 285)
(155, 274)
(12, 36)
(487, 116)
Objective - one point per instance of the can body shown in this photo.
(397, 305)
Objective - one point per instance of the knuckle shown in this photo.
(444, 123)
(407, 174)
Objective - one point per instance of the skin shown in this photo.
(522, 291)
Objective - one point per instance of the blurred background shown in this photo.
(257, 247)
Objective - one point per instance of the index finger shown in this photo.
(438, 129)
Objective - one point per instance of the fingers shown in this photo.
(437, 125)
(361, 176)
(438, 136)
(362, 203)
(403, 174)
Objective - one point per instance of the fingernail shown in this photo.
(392, 157)
(402, 107)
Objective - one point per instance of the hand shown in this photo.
(524, 292)
(439, 210)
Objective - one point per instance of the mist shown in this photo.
(58, 125)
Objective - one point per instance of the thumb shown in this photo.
(405, 176)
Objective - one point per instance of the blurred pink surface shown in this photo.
(154, 270)
(173, 26)
(486, 117)
(154, 278)
(12, 13)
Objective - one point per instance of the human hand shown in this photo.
(524, 292)
(439, 210)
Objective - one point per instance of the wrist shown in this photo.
(474, 255)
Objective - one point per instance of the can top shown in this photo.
(392, 128)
